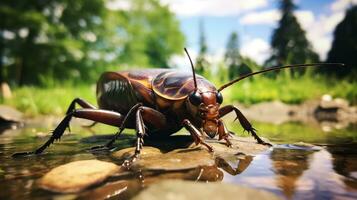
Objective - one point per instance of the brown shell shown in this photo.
(175, 85)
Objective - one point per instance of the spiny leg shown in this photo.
(121, 128)
(223, 133)
(140, 132)
(102, 116)
(196, 134)
(243, 121)
(144, 115)
(84, 104)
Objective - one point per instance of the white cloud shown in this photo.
(182, 62)
(320, 31)
(262, 17)
(341, 5)
(271, 17)
(305, 18)
(318, 28)
(256, 49)
(213, 7)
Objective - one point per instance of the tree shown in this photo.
(289, 43)
(152, 34)
(233, 59)
(41, 41)
(201, 61)
(47, 37)
(344, 45)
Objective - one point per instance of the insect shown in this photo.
(158, 103)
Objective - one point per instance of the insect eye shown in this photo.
(219, 98)
(195, 98)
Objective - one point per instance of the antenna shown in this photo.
(193, 69)
(276, 68)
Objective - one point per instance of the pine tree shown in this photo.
(201, 61)
(289, 43)
(344, 45)
(232, 58)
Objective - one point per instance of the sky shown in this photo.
(254, 21)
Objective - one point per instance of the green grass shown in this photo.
(35, 101)
(55, 100)
(288, 90)
(293, 132)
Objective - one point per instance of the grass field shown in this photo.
(54, 100)
(291, 91)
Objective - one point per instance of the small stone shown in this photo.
(152, 158)
(326, 97)
(5, 90)
(240, 145)
(9, 114)
(78, 175)
(146, 152)
(187, 190)
(179, 152)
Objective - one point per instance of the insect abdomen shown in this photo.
(115, 92)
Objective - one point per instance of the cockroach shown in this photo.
(157, 103)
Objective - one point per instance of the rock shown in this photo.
(9, 114)
(122, 189)
(152, 158)
(330, 103)
(334, 110)
(180, 153)
(311, 111)
(5, 90)
(274, 112)
(78, 175)
(240, 145)
(186, 190)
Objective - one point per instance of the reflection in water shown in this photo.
(344, 160)
(128, 186)
(303, 173)
(290, 171)
(243, 163)
(289, 165)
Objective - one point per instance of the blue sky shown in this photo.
(254, 21)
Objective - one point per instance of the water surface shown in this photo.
(291, 169)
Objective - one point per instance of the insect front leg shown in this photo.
(121, 128)
(223, 133)
(243, 121)
(84, 104)
(102, 116)
(144, 115)
(196, 134)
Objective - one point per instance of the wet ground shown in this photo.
(291, 169)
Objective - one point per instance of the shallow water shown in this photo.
(292, 170)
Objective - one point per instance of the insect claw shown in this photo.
(129, 162)
(126, 164)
